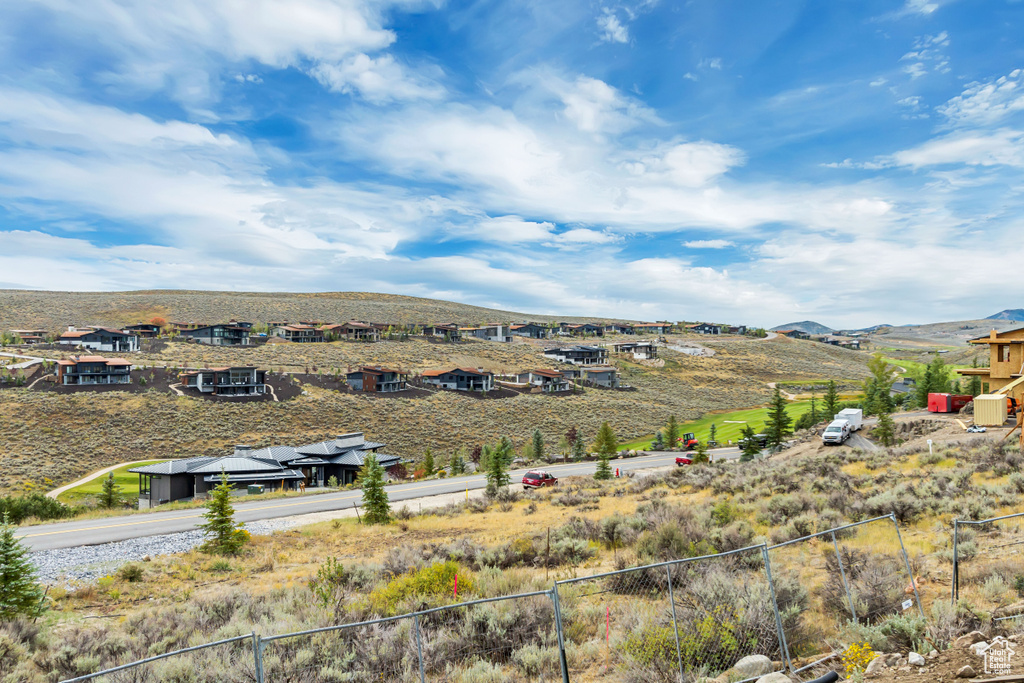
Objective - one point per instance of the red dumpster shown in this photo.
(938, 403)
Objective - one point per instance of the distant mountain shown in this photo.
(1016, 314)
(808, 326)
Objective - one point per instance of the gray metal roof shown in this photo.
(331, 447)
(173, 466)
(276, 453)
(357, 457)
(232, 464)
(262, 476)
(307, 461)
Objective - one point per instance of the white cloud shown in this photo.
(709, 244)
(710, 63)
(925, 7)
(378, 80)
(986, 103)
(878, 82)
(1002, 147)
(248, 78)
(611, 29)
(927, 55)
(596, 107)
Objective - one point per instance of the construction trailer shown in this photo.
(947, 403)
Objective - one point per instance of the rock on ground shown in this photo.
(775, 678)
(752, 665)
(914, 659)
(965, 672)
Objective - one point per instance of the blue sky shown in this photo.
(852, 162)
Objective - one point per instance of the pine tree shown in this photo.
(458, 464)
(375, 498)
(579, 449)
(700, 454)
(224, 537)
(110, 494)
(877, 387)
(497, 471)
(19, 592)
(538, 445)
(428, 461)
(974, 388)
(672, 432)
(606, 446)
(831, 400)
(778, 424)
(713, 434)
(749, 449)
(659, 442)
(935, 379)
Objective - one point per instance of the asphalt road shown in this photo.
(95, 531)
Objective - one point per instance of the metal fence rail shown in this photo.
(990, 549)
(857, 572)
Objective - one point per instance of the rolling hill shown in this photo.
(808, 326)
(1015, 314)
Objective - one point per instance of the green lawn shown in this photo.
(729, 424)
(915, 369)
(128, 482)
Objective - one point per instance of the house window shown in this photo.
(1004, 353)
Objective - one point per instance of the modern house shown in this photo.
(639, 350)
(300, 332)
(447, 332)
(225, 334)
(82, 370)
(238, 381)
(705, 328)
(601, 375)
(591, 329)
(738, 329)
(547, 380)
(531, 330)
(651, 328)
(100, 339)
(353, 329)
(619, 328)
(144, 330)
(30, 336)
(460, 379)
(793, 334)
(494, 332)
(376, 379)
(1005, 363)
(579, 355)
(276, 468)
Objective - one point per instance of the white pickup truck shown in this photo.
(837, 432)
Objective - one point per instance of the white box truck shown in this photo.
(855, 416)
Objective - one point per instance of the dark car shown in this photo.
(760, 439)
(535, 479)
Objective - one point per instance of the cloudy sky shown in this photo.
(853, 162)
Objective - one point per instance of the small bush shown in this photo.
(434, 581)
(130, 572)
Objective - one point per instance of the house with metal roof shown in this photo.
(30, 336)
(100, 339)
(243, 380)
(639, 350)
(299, 333)
(495, 332)
(225, 334)
(449, 332)
(460, 379)
(144, 330)
(275, 468)
(579, 355)
(353, 329)
(601, 375)
(89, 370)
(546, 380)
(531, 330)
(376, 379)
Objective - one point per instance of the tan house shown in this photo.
(1006, 363)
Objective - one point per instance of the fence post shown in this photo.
(953, 591)
(257, 653)
(675, 627)
(419, 648)
(906, 560)
(842, 573)
(561, 637)
(783, 645)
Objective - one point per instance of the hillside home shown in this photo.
(1006, 363)
(144, 330)
(300, 333)
(275, 468)
(584, 330)
(601, 375)
(546, 380)
(100, 339)
(225, 334)
(82, 370)
(495, 332)
(793, 334)
(531, 330)
(376, 379)
(237, 381)
(639, 350)
(352, 330)
(30, 336)
(180, 326)
(738, 329)
(705, 328)
(579, 355)
(651, 328)
(460, 379)
(619, 328)
(447, 332)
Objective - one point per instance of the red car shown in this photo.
(684, 460)
(535, 479)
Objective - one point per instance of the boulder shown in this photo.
(875, 666)
(774, 678)
(933, 654)
(969, 639)
(752, 666)
(965, 672)
(978, 649)
(914, 659)
(893, 659)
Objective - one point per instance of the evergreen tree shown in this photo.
(778, 424)
(659, 442)
(885, 430)
(713, 434)
(19, 592)
(538, 445)
(375, 498)
(110, 494)
(935, 379)
(974, 388)
(877, 387)
(606, 446)
(579, 449)
(497, 472)
(700, 454)
(428, 462)
(224, 537)
(831, 400)
(672, 432)
(748, 445)
(458, 464)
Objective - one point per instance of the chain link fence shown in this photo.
(674, 621)
(987, 570)
(853, 573)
